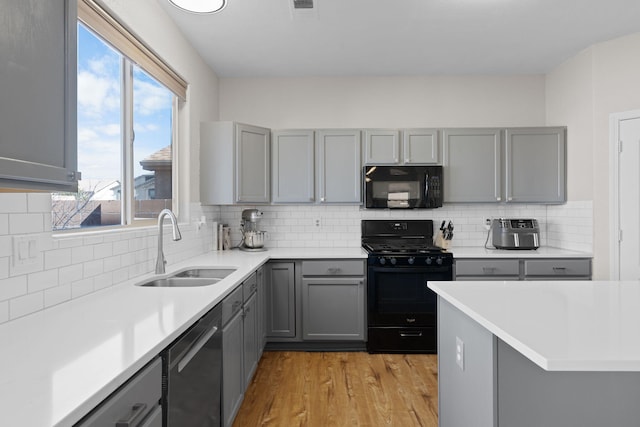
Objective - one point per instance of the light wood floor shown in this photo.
(342, 389)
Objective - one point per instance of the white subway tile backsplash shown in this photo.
(81, 254)
(57, 258)
(93, 268)
(57, 295)
(70, 274)
(42, 280)
(6, 246)
(13, 202)
(81, 287)
(25, 223)
(4, 311)
(26, 304)
(4, 224)
(4, 267)
(13, 287)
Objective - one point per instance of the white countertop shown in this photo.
(542, 252)
(559, 325)
(58, 364)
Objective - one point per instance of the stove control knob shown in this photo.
(393, 261)
(411, 260)
(429, 260)
(382, 261)
(439, 261)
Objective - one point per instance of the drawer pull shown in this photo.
(560, 269)
(489, 269)
(410, 334)
(236, 305)
(136, 411)
(333, 270)
(411, 320)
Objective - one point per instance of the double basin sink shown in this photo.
(190, 278)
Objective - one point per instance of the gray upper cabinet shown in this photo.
(420, 146)
(293, 160)
(381, 146)
(386, 147)
(339, 166)
(235, 163)
(38, 144)
(472, 160)
(535, 167)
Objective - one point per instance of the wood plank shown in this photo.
(342, 389)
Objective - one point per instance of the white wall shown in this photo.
(72, 265)
(395, 102)
(585, 91)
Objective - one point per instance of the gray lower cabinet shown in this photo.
(293, 166)
(333, 300)
(339, 166)
(135, 404)
(38, 144)
(523, 269)
(235, 163)
(281, 300)
(232, 356)
(261, 292)
(250, 334)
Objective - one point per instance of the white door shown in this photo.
(628, 206)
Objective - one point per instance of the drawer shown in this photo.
(137, 399)
(557, 267)
(250, 286)
(231, 304)
(488, 267)
(335, 267)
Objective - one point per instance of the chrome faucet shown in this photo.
(160, 263)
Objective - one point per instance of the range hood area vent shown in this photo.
(303, 4)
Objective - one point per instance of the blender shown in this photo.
(252, 238)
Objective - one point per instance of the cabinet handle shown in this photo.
(498, 198)
(410, 334)
(411, 320)
(196, 348)
(236, 305)
(488, 269)
(333, 270)
(137, 410)
(559, 269)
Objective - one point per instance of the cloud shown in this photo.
(112, 129)
(150, 98)
(97, 94)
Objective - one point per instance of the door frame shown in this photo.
(614, 188)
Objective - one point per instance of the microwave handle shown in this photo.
(426, 187)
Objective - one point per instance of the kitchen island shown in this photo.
(548, 353)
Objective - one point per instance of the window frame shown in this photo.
(102, 24)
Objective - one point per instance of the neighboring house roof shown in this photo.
(161, 159)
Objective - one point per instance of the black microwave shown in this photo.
(403, 187)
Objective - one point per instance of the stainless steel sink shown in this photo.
(209, 273)
(180, 282)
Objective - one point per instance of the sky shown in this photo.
(99, 105)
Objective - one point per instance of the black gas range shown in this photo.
(402, 310)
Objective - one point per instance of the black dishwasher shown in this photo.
(192, 372)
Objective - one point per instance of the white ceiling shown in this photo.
(401, 37)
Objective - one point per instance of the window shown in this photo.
(126, 126)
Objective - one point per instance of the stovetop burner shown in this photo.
(402, 248)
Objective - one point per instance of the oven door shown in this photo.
(399, 296)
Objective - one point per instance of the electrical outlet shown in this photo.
(487, 223)
(460, 353)
(317, 222)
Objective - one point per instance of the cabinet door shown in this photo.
(381, 146)
(293, 160)
(472, 160)
(261, 293)
(250, 336)
(38, 111)
(253, 164)
(281, 302)
(420, 146)
(333, 308)
(232, 365)
(535, 165)
(339, 166)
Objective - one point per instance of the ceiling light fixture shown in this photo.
(200, 6)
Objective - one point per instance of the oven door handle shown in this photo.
(411, 334)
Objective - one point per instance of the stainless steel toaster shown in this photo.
(509, 233)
